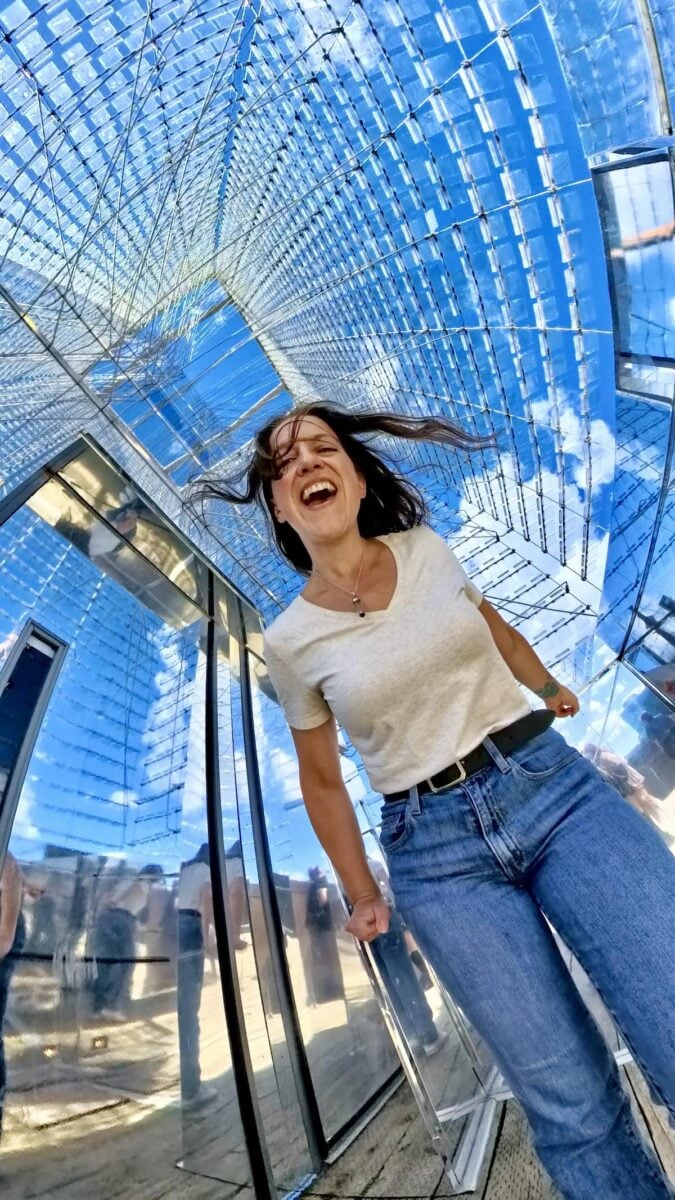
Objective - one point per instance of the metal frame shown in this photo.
(21, 494)
(252, 1125)
(642, 156)
(16, 779)
(652, 43)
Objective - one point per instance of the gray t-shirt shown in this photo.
(416, 686)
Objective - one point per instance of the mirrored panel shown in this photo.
(652, 635)
(347, 1046)
(125, 512)
(636, 205)
(276, 1085)
(114, 1032)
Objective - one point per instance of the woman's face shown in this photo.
(319, 490)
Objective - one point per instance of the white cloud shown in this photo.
(602, 441)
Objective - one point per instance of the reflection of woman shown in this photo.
(491, 818)
(12, 939)
(195, 917)
(114, 942)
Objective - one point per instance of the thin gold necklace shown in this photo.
(354, 591)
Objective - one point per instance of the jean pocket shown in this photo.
(543, 756)
(395, 830)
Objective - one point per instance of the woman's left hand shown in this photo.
(564, 703)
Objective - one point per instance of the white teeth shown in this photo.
(319, 486)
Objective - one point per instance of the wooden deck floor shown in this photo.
(392, 1159)
(113, 1130)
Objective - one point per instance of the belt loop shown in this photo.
(496, 756)
(415, 801)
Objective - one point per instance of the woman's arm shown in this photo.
(331, 813)
(526, 666)
(11, 887)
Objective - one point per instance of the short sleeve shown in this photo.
(470, 590)
(304, 707)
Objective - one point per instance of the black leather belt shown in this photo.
(505, 740)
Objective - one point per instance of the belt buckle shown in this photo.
(460, 777)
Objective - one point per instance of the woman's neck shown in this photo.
(340, 560)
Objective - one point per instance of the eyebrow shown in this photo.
(318, 437)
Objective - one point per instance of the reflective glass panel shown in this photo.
(347, 1046)
(117, 1055)
(636, 207)
(274, 1080)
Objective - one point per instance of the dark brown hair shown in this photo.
(391, 503)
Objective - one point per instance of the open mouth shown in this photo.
(315, 495)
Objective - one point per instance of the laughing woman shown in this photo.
(491, 822)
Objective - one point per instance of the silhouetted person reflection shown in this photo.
(195, 917)
(114, 942)
(160, 938)
(391, 954)
(631, 784)
(12, 940)
(236, 889)
(324, 965)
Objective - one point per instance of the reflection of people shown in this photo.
(160, 938)
(655, 755)
(195, 917)
(398, 975)
(325, 976)
(12, 939)
(631, 784)
(415, 956)
(236, 890)
(490, 818)
(124, 519)
(114, 942)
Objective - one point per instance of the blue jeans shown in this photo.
(190, 981)
(474, 869)
(115, 949)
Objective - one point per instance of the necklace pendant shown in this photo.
(357, 604)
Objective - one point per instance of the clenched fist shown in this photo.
(370, 916)
(564, 703)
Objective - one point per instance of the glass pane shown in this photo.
(116, 1046)
(630, 734)
(348, 1049)
(21, 687)
(654, 626)
(274, 1079)
(636, 208)
(126, 512)
(642, 436)
(109, 549)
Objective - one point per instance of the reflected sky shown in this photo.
(209, 211)
(351, 202)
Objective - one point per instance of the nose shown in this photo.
(308, 458)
